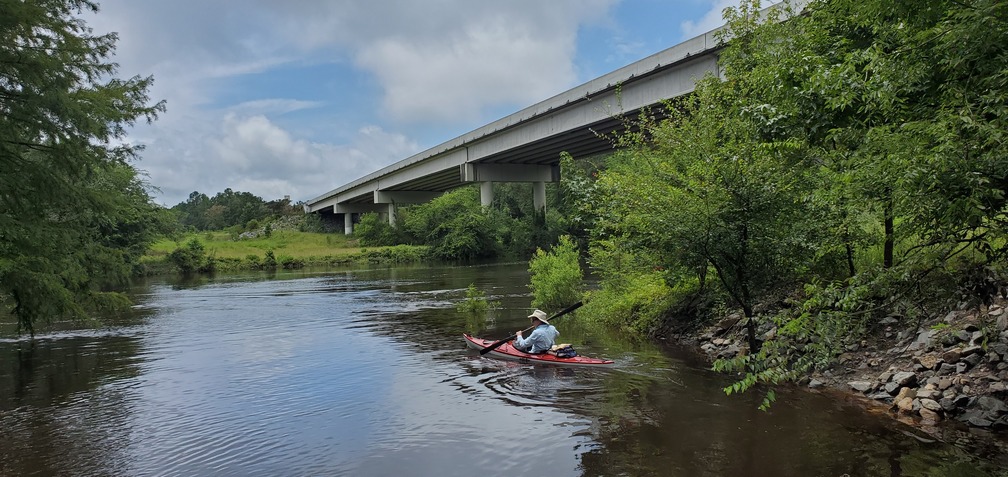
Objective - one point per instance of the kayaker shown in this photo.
(542, 338)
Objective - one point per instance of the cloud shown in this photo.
(429, 63)
(710, 20)
(252, 154)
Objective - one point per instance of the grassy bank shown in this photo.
(282, 249)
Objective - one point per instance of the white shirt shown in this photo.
(542, 338)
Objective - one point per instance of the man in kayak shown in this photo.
(542, 338)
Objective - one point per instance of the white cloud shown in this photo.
(436, 60)
(710, 20)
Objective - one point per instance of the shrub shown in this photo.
(269, 262)
(475, 303)
(556, 275)
(190, 257)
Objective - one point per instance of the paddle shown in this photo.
(562, 312)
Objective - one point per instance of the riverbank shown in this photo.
(283, 248)
(947, 376)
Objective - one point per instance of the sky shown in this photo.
(298, 97)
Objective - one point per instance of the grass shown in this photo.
(292, 249)
(290, 243)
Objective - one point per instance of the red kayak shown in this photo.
(508, 351)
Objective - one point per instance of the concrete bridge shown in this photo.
(526, 146)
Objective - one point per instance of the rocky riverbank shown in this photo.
(948, 375)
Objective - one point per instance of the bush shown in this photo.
(189, 258)
(639, 303)
(269, 262)
(556, 275)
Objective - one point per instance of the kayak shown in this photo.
(508, 351)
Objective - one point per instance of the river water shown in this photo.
(364, 373)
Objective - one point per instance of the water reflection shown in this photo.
(364, 372)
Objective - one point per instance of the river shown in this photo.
(363, 372)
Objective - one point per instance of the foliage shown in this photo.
(191, 258)
(74, 212)
(476, 302)
(372, 231)
(231, 208)
(556, 275)
(453, 225)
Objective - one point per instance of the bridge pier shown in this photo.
(486, 193)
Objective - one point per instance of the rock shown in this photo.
(951, 356)
(929, 416)
(885, 376)
(974, 349)
(995, 310)
(979, 421)
(906, 393)
(891, 388)
(881, 396)
(923, 340)
(972, 360)
(947, 405)
(964, 335)
(991, 405)
(930, 404)
(950, 317)
(946, 369)
(1002, 322)
(906, 405)
(998, 387)
(861, 386)
(961, 400)
(905, 378)
(815, 384)
(928, 361)
(970, 327)
(944, 383)
(928, 394)
(962, 367)
(769, 335)
(727, 323)
(889, 321)
(993, 357)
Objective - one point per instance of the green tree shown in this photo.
(68, 225)
(454, 225)
(556, 275)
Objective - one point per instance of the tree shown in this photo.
(73, 210)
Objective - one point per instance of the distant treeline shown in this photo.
(230, 209)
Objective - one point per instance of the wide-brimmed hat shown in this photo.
(539, 315)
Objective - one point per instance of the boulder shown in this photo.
(929, 416)
(891, 388)
(905, 378)
(972, 350)
(930, 404)
(906, 393)
(951, 356)
(928, 361)
(972, 360)
(944, 383)
(947, 405)
(905, 405)
(991, 405)
(861, 386)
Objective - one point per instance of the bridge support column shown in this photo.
(391, 214)
(486, 193)
(539, 196)
(347, 223)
